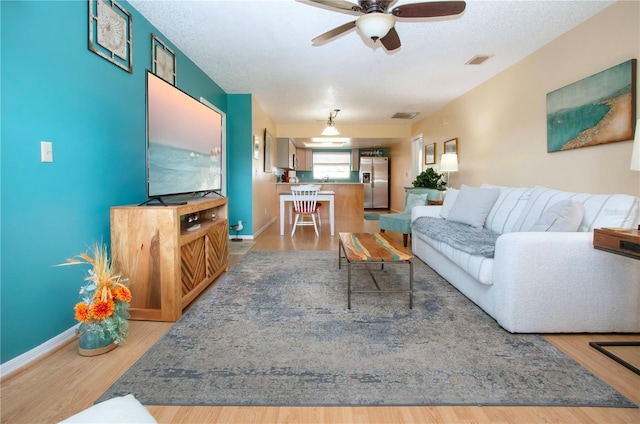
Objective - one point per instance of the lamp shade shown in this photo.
(375, 25)
(330, 130)
(449, 162)
(635, 153)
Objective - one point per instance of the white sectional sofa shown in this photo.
(550, 280)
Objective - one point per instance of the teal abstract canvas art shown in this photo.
(596, 110)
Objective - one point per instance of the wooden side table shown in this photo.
(621, 241)
(625, 242)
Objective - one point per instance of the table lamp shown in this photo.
(449, 163)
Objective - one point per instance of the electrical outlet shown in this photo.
(46, 151)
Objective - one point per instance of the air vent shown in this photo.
(405, 115)
(477, 60)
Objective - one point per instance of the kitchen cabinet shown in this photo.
(304, 157)
(285, 153)
(355, 159)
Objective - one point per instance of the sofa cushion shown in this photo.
(600, 210)
(478, 266)
(565, 215)
(473, 240)
(124, 409)
(450, 197)
(507, 209)
(472, 205)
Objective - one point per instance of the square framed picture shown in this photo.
(451, 146)
(110, 35)
(163, 60)
(430, 154)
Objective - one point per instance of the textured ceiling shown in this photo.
(264, 47)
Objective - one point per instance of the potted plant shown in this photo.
(102, 310)
(429, 178)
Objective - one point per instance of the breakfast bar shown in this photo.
(345, 202)
(323, 196)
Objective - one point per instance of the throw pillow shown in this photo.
(125, 409)
(472, 205)
(415, 200)
(564, 216)
(450, 197)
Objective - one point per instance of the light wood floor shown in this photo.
(65, 383)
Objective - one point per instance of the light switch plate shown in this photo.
(46, 151)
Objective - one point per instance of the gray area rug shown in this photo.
(276, 331)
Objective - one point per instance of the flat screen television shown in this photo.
(184, 143)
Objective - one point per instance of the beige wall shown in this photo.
(265, 199)
(400, 171)
(501, 125)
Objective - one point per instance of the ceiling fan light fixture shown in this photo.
(375, 25)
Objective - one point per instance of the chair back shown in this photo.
(304, 198)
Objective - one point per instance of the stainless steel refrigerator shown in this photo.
(374, 174)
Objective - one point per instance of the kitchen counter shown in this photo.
(349, 198)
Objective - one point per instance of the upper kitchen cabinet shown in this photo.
(355, 159)
(285, 154)
(304, 159)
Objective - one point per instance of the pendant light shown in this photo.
(331, 129)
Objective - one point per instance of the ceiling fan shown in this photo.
(377, 23)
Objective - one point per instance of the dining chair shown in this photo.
(304, 206)
(318, 205)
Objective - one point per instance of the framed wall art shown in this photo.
(599, 109)
(430, 154)
(163, 60)
(256, 147)
(451, 146)
(268, 140)
(110, 34)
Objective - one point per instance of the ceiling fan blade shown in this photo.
(391, 41)
(339, 4)
(334, 32)
(429, 9)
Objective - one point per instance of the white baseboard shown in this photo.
(261, 230)
(37, 352)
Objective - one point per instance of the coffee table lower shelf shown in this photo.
(372, 249)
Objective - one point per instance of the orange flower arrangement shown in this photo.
(104, 298)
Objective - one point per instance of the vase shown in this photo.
(91, 343)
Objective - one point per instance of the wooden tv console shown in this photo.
(167, 265)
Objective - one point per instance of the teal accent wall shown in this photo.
(94, 114)
(239, 129)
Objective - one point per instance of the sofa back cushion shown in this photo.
(507, 208)
(450, 197)
(600, 210)
(472, 205)
(564, 216)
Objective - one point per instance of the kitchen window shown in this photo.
(332, 165)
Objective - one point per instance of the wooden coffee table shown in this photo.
(373, 248)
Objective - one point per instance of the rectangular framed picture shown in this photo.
(256, 147)
(599, 109)
(268, 139)
(430, 154)
(451, 146)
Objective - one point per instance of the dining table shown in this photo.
(323, 196)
